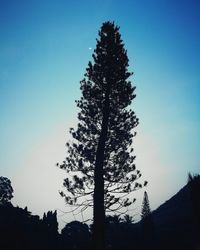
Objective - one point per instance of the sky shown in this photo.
(45, 47)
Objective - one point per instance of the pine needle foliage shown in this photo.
(106, 124)
(146, 211)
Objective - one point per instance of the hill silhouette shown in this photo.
(175, 221)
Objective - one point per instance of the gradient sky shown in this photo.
(44, 50)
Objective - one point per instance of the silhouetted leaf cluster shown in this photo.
(6, 190)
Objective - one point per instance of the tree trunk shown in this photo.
(99, 209)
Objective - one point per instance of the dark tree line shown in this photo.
(20, 230)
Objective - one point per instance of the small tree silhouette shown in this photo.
(50, 219)
(128, 219)
(147, 222)
(146, 211)
(6, 190)
(194, 185)
(76, 235)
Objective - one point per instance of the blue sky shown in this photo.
(44, 50)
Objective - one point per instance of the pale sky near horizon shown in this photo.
(45, 47)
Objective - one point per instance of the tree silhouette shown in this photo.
(100, 161)
(128, 219)
(6, 190)
(146, 211)
(194, 185)
(147, 222)
(50, 219)
(76, 235)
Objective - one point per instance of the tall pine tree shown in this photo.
(100, 161)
